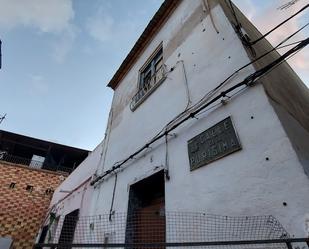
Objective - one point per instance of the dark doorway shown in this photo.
(68, 229)
(146, 211)
(43, 234)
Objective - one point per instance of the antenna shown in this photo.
(0, 56)
(287, 5)
(2, 118)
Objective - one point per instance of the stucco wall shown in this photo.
(254, 181)
(297, 134)
(75, 191)
(286, 92)
(244, 183)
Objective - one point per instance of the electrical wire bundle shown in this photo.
(210, 98)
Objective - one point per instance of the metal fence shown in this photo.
(32, 163)
(165, 229)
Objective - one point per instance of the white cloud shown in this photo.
(62, 46)
(101, 26)
(46, 15)
(104, 28)
(38, 84)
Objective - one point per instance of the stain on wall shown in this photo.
(188, 25)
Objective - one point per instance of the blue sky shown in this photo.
(58, 56)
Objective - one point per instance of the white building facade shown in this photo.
(245, 154)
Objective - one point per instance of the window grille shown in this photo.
(151, 76)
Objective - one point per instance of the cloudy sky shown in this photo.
(58, 56)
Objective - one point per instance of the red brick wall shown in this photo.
(22, 211)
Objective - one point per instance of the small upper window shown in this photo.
(12, 185)
(49, 191)
(151, 75)
(29, 188)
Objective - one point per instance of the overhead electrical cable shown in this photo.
(208, 94)
(121, 162)
(200, 102)
(279, 25)
(290, 44)
(248, 81)
(238, 24)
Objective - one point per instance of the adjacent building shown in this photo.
(40, 154)
(30, 170)
(207, 139)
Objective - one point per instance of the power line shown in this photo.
(207, 95)
(245, 39)
(201, 101)
(166, 130)
(234, 14)
(280, 24)
(239, 31)
(290, 44)
(248, 81)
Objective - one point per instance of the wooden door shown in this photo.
(150, 223)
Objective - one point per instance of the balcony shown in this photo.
(34, 164)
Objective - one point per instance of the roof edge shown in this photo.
(155, 24)
(44, 141)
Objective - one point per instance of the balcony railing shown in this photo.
(148, 88)
(165, 229)
(32, 163)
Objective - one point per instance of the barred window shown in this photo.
(150, 77)
(151, 71)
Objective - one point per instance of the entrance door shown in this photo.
(146, 211)
(151, 222)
